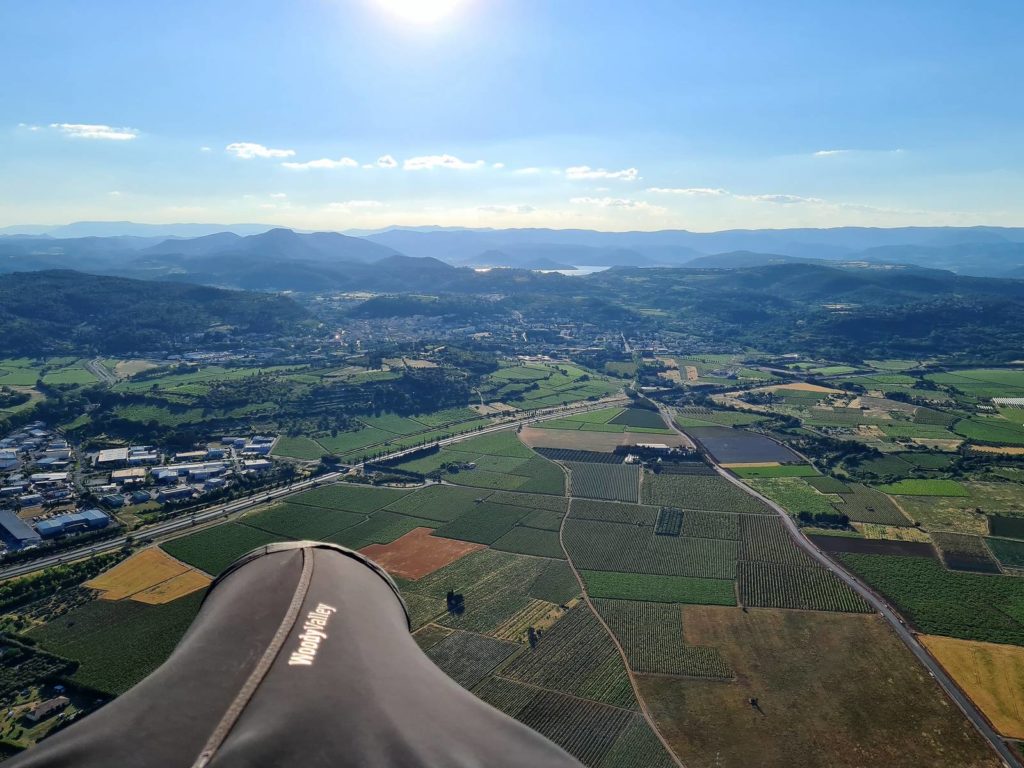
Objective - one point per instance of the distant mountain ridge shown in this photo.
(283, 259)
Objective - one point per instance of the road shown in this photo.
(162, 529)
(100, 371)
(908, 637)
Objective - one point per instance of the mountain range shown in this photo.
(283, 259)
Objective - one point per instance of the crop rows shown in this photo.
(599, 546)
(583, 729)
(604, 481)
(962, 552)
(670, 522)
(866, 505)
(793, 494)
(295, 521)
(765, 539)
(685, 468)
(769, 585)
(699, 524)
(652, 636)
(537, 614)
(714, 494)
(484, 524)
(614, 512)
(1009, 552)
(639, 417)
(576, 657)
(214, 549)
(381, 527)
(442, 503)
(572, 454)
(555, 583)
(637, 747)
(350, 498)
(468, 658)
(531, 541)
(938, 601)
(659, 589)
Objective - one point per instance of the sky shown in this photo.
(604, 114)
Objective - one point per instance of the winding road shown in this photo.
(898, 625)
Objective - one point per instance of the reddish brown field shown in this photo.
(418, 553)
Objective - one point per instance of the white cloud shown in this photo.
(498, 166)
(531, 171)
(279, 195)
(615, 202)
(28, 127)
(324, 163)
(205, 149)
(586, 172)
(90, 131)
(247, 150)
(429, 162)
(832, 152)
(506, 208)
(781, 199)
(114, 193)
(387, 161)
(689, 191)
(349, 205)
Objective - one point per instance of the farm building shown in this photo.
(186, 456)
(15, 532)
(47, 708)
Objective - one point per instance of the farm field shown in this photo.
(925, 488)
(660, 589)
(586, 440)
(418, 553)
(962, 552)
(214, 549)
(992, 675)
(539, 385)
(468, 658)
(117, 642)
(816, 699)
(793, 494)
(966, 514)
(705, 417)
(969, 606)
(735, 446)
(714, 494)
(805, 587)
(611, 482)
(149, 576)
(1008, 552)
(781, 470)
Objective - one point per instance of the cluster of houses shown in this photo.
(141, 474)
(38, 499)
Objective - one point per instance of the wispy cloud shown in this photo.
(689, 191)
(781, 199)
(506, 208)
(279, 195)
(430, 162)
(586, 172)
(616, 202)
(387, 161)
(206, 149)
(832, 152)
(349, 205)
(247, 150)
(29, 127)
(531, 171)
(324, 163)
(94, 131)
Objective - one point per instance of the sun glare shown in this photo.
(421, 11)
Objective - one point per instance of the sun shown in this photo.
(421, 11)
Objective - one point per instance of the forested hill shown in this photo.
(64, 311)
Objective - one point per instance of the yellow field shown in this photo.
(177, 586)
(1009, 450)
(150, 576)
(741, 465)
(691, 373)
(893, 533)
(537, 614)
(991, 674)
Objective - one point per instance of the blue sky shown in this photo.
(567, 113)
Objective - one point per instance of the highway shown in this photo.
(185, 522)
(898, 625)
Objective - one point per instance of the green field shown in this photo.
(118, 642)
(794, 495)
(714, 494)
(942, 602)
(925, 488)
(659, 589)
(214, 549)
(784, 470)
